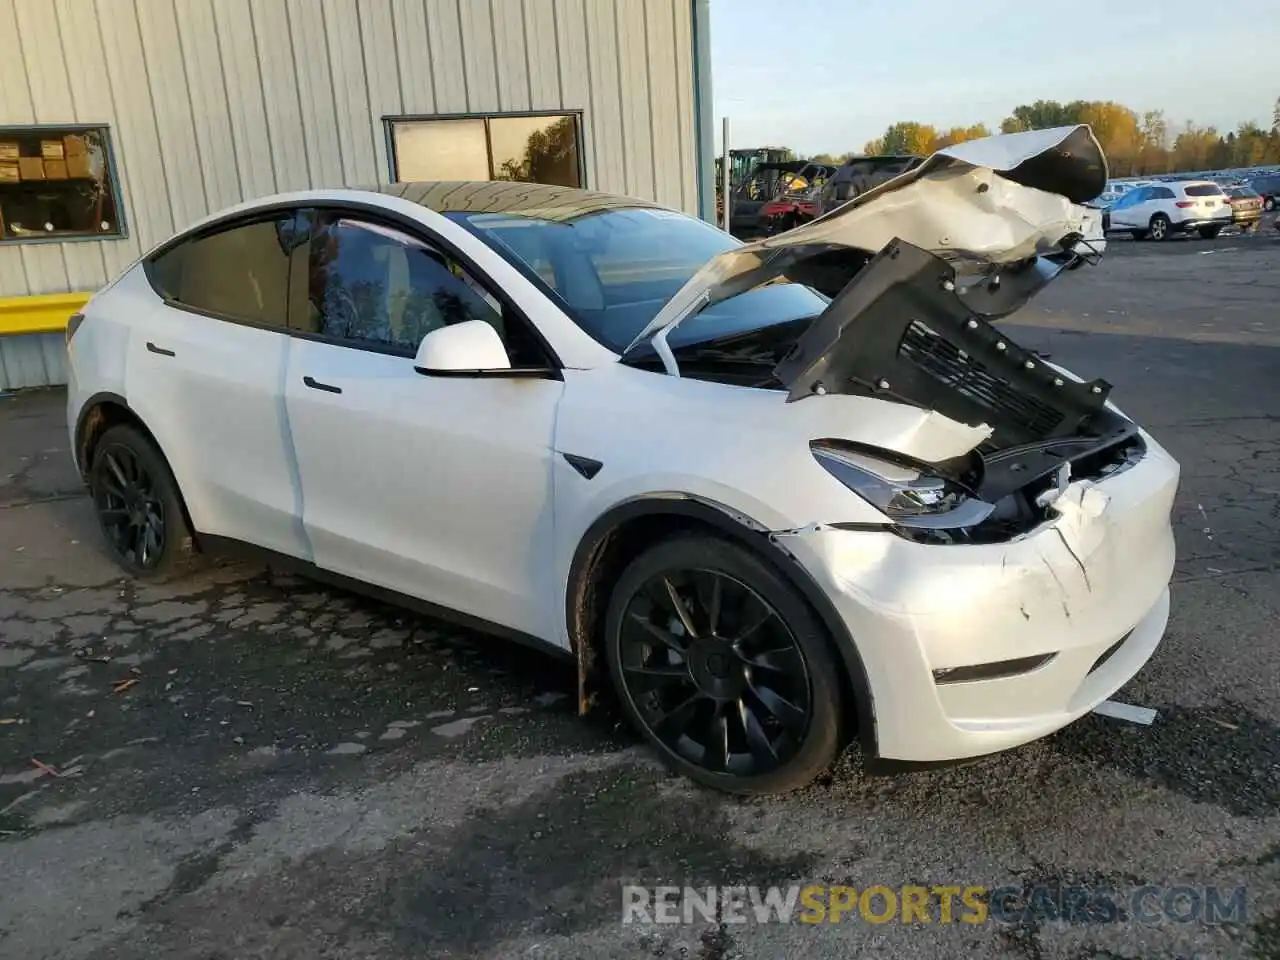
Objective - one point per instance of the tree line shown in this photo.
(1135, 144)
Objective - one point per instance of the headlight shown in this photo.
(910, 497)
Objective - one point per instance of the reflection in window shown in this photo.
(56, 182)
(535, 149)
(376, 286)
(531, 149)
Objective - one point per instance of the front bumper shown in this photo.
(1090, 585)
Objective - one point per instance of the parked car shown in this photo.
(1159, 211)
(1267, 187)
(1246, 207)
(769, 519)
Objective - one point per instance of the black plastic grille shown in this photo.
(948, 364)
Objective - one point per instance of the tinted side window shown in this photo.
(376, 286)
(241, 273)
(1161, 193)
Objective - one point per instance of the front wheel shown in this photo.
(1208, 233)
(138, 505)
(1159, 228)
(723, 667)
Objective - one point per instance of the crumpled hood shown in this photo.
(999, 200)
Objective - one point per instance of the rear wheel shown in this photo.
(138, 505)
(1208, 233)
(1159, 228)
(1269, 204)
(723, 667)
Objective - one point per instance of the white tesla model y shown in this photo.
(773, 494)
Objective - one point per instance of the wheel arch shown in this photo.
(99, 413)
(633, 525)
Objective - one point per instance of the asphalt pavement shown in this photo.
(248, 765)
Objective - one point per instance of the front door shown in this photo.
(435, 487)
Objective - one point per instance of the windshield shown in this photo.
(614, 270)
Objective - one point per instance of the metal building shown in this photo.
(122, 121)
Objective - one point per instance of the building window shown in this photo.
(529, 147)
(57, 182)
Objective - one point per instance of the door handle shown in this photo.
(160, 350)
(315, 384)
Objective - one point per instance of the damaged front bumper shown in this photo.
(970, 649)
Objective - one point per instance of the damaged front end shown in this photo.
(905, 333)
(918, 270)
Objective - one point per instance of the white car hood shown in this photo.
(998, 200)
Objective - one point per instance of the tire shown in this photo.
(759, 714)
(139, 507)
(1208, 233)
(1159, 228)
(1269, 204)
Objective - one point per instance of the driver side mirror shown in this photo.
(471, 348)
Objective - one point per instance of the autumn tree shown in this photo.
(1154, 155)
(906, 137)
(1193, 146)
(1041, 115)
(1134, 145)
(960, 134)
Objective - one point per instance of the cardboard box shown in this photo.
(9, 151)
(52, 150)
(78, 166)
(9, 173)
(75, 145)
(55, 169)
(32, 168)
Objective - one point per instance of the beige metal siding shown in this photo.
(214, 101)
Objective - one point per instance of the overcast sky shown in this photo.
(828, 75)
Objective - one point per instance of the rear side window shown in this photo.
(1161, 193)
(241, 273)
(1204, 190)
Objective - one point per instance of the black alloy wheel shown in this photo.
(138, 505)
(723, 667)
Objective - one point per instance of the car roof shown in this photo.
(539, 200)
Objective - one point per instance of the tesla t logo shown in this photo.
(1049, 497)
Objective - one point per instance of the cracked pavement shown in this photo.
(245, 764)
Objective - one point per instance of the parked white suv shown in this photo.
(1160, 210)
(768, 516)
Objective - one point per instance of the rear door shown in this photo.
(438, 487)
(1124, 210)
(205, 373)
